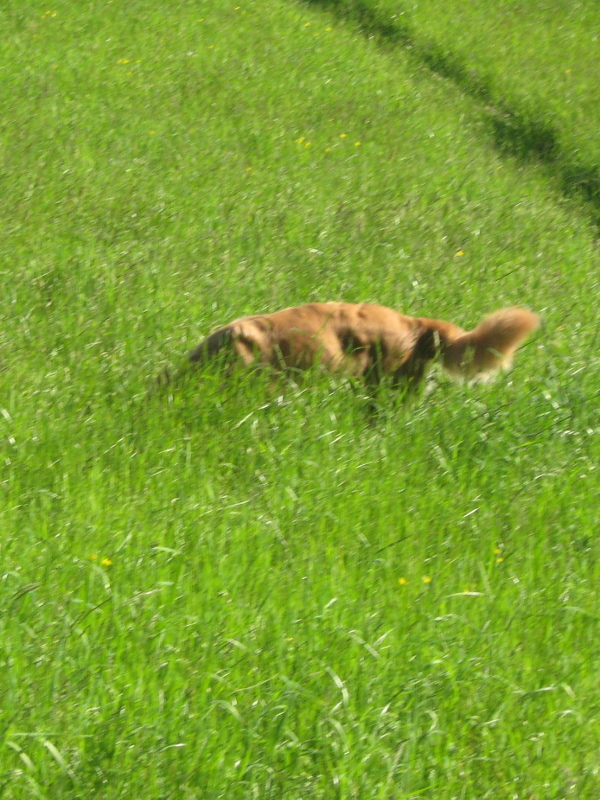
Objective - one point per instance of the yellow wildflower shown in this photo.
(106, 562)
(426, 579)
(402, 581)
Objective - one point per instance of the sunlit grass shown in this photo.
(531, 67)
(214, 590)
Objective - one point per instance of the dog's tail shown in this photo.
(490, 346)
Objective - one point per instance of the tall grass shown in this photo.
(532, 68)
(212, 591)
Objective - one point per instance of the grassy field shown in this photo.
(212, 592)
(531, 66)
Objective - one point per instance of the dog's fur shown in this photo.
(370, 341)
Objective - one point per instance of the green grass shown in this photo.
(211, 592)
(531, 66)
(542, 57)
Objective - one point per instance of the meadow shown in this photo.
(213, 592)
(531, 66)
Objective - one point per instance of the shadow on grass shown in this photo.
(517, 132)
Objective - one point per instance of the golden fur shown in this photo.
(370, 341)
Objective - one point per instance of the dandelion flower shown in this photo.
(307, 144)
(402, 581)
(300, 140)
(343, 135)
(356, 144)
(106, 562)
(460, 253)
(426, 579)
(499, 560)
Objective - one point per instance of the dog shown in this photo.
(369, 342)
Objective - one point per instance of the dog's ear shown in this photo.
(427, 345)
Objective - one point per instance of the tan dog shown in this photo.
(370, 341)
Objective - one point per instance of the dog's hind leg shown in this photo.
(411, 373)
